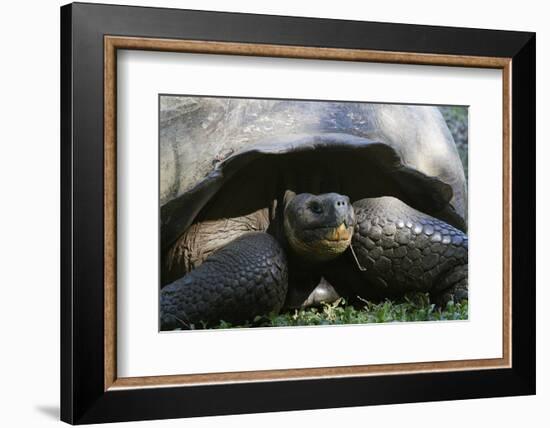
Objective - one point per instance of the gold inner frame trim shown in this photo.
(113, 43)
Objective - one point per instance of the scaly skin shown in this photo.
(405, 250)
(245, 278)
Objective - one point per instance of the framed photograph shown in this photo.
(316, 212)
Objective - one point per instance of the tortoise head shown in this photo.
(318, 227)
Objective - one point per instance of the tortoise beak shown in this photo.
(340, 233)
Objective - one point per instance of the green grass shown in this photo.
(414, 307)
(463, 153)
(457, 121)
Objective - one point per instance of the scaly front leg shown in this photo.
(399, 249)
(245, 278)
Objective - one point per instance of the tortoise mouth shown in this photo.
(337, 234)
(328, 243)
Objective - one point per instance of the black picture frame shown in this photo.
(83, 396)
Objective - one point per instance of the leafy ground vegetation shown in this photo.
(414, 307)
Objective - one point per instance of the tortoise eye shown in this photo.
(316, 207)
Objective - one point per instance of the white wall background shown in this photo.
(29, 226)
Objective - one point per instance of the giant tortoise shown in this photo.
(267, 204)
